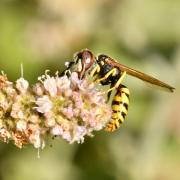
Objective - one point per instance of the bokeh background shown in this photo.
(145, 35)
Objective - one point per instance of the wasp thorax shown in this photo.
(102, 58)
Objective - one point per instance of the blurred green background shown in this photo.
(142, 34)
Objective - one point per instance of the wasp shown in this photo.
(108, 71)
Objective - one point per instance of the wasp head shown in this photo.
(84, 61)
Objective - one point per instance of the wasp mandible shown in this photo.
(110, 72)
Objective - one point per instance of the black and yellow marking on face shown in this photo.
(120, 105)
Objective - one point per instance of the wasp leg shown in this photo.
(109, 93)
(120, 104)
(118, 82)
(66, 72)
(95, 70)
(111, 72)
(108, 96)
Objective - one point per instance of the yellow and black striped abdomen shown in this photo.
(120, 105)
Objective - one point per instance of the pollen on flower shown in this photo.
(62, 107)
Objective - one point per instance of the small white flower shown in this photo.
(50, 85)
(20, 114)
(4, 133)
(34, 119)
(38, 89)
(75, 79)
(50, 122)
(63, 83)
(67, 136)
(21, 125)
(44, 104)
(16, 111)
(4, 104)
(22, 85)
(10, 92)
(35, 139)
(57, 130)
(68, 112)
(79, 133)
(68, 93)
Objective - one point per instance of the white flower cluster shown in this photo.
(60, 106)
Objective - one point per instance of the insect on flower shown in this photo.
(108, 71)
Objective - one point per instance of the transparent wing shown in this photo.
(140, 75)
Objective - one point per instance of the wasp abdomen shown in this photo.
(120, 105)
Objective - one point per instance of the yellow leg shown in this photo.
(118, 82)
(111, 72)
(96, 69)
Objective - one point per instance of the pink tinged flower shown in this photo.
(67, 136)
(68, 93)
(99, 119)
(4, 134)
(35, 139)
(63, 83)
(75, 81)
(63, 131)
(92, 123)
(50, 122)
(84, 86)
(21, 125)
(4, 104)
(50, 85)
(44, 104)
(84, 115)
(22, 85)
(99, 125)
(49, 115)
(95, 97)
(76, 96)
(38, 89)
(79, 133)
(34, 135)
(16, 111)
(76, 112)
(34, 119)
(68, 112)
(10, 92)
(57, 130)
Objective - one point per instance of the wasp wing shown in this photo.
(140, 75)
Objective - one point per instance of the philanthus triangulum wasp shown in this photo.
(110, 72)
